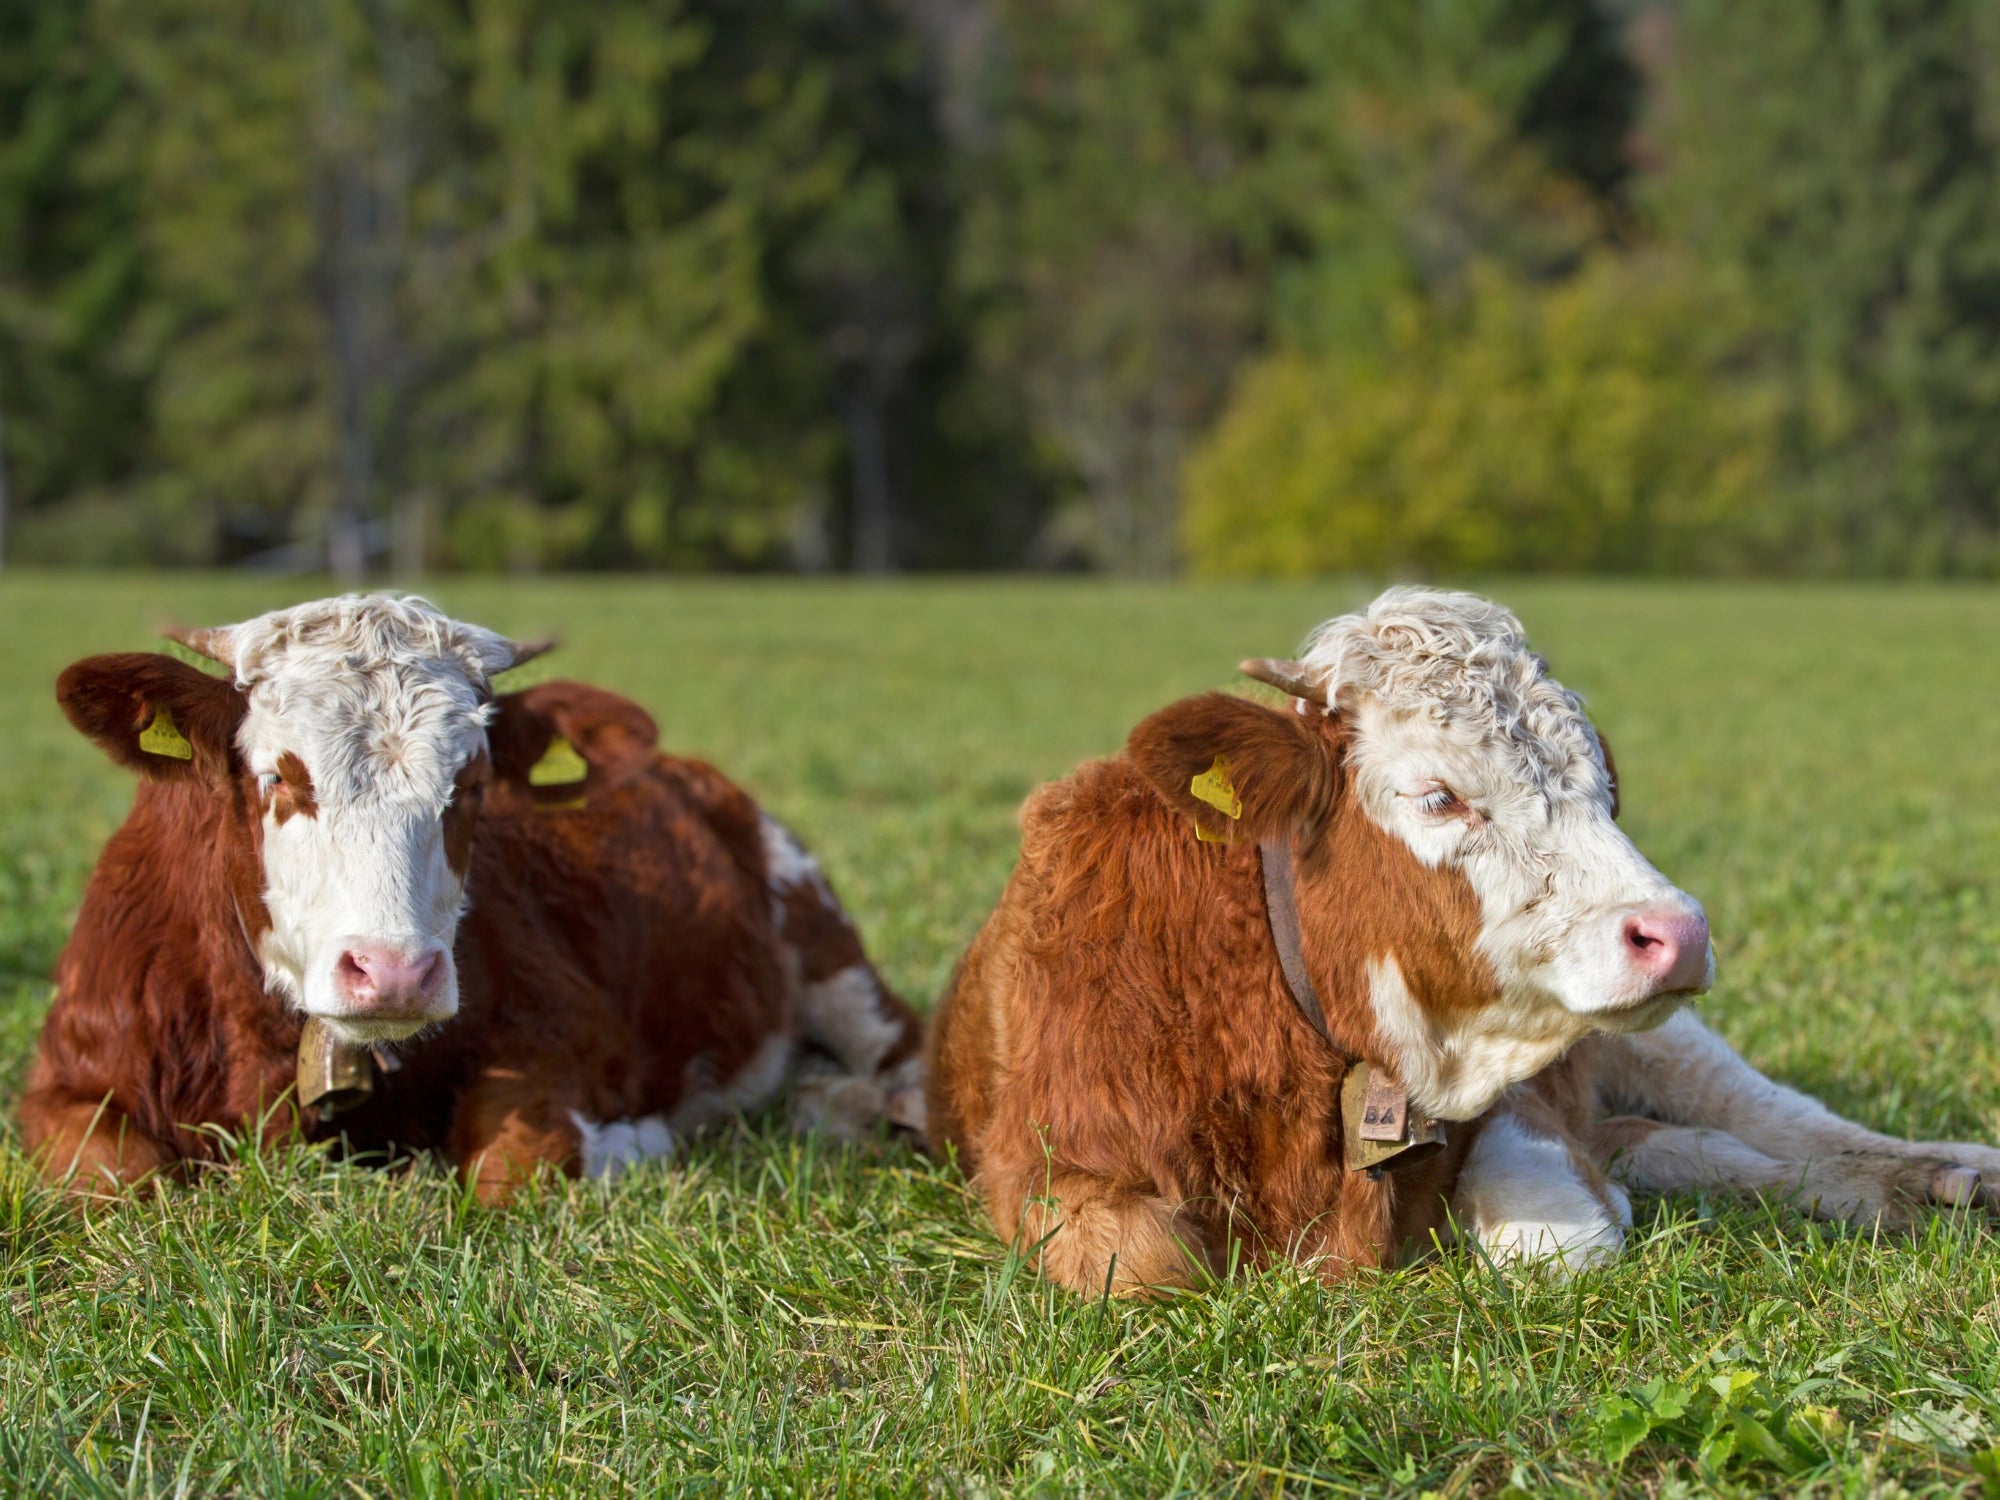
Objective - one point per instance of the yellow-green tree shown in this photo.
(1586, 423)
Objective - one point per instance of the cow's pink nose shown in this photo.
(390, 982)
(1670, 947)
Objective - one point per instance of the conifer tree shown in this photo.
(1839, 156)
(72, 403)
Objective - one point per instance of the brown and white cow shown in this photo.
(1419, 855)
(565, 947)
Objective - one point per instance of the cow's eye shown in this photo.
(268, 782)
(1438, 801)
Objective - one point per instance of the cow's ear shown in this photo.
(561, 738)
(1610, 768)
(154, 714)
(1237, 769)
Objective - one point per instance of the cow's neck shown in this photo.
(1380, 1128)
(1379, 927)
(168, 951)
(188, 855)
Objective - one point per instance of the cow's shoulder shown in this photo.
(1107, 867)
(702, 786)
(1101, 807)
(672, 819)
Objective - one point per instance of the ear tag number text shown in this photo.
(163, 737)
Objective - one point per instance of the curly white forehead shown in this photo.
(380, 695)
(1463, 662)
(363, 633)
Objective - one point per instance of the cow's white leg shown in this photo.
(1684, 1074)
(831, 1101)
(1524, 1196)
(851, 1016)
(608, 1147)
(1861, 1187)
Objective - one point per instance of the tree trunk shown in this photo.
(3, 489)
(868, 457)
(347, 214)
(409, 519)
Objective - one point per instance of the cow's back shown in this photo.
(965, 1046)
(1067, 827)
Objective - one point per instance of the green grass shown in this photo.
(770, 1315)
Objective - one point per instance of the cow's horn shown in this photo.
(1286, 676)
(527, 651)
(211, 641)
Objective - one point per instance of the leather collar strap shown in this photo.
(1282, 906)
(1380, 1131)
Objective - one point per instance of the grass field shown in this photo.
(770, 1315)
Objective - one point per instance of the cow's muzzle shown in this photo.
(387, 991)
(1668, 948)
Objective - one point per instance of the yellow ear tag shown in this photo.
(559, 766)
(1213, 787)
(163, 737)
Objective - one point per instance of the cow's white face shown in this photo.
(1573, 912)
(1462, 746)
(365, 729)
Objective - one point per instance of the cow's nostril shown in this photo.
(433, 975)
(1639, 938)
(1670, 947)
(352, 972)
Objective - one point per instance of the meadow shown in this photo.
(772, 1315)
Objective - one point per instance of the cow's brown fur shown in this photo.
(613, 955)
(1119, 1065)
(1118, 1060)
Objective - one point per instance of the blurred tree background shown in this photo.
(1231, 286)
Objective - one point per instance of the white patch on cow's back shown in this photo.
(845, 1013)
(609, 1147)
(788, 865)
(1455, 1070)
(709, 1101)
(1524, 1200)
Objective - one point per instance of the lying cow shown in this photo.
(503, 927)
(1269, 983)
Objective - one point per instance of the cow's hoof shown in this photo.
(1956, 1187)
